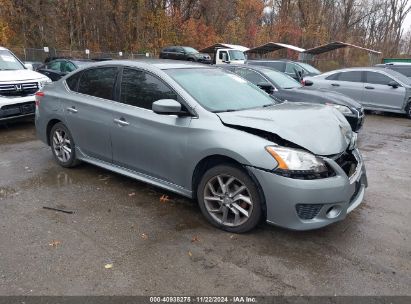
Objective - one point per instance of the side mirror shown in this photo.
(167, 107)
(266, 86)
(308, 83)
(28, 66)
(393, 84)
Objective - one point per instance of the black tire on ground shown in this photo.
(239, 174)
(408, 110)
(190, 59)
(71, 161)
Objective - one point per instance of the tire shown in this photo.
(408, 110)
(62, 146)
(191, 59)
(222, 208)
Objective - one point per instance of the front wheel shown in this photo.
(229, 199)
(62, 146)
(408, 110)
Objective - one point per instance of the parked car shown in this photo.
(17, 87)
(295, 69)
(243, 156)
(184, 53)
(55, 69)
(286, 88)
(374, 87)
(400, 67)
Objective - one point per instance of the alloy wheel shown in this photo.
(228, 200)
(62, 145)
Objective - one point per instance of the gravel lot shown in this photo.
(164, 246)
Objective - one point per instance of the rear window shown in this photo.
(279, 66)
(403, 70)
(98, 82)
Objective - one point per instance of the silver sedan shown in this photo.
(373, 87)
(209, 135)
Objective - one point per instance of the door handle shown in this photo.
(369, 88)
(72, 110)
(121, 121)
(335, 84)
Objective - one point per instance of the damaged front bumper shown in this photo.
(310, 204)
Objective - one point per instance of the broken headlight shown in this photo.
(296, 161)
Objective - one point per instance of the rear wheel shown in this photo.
(229, 199)
(62, 146)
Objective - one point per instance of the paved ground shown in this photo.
(167, 247)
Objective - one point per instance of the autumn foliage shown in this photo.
(148, 25)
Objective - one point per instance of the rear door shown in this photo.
(144, 141)
(378, 94)
(349, 83)
(89, 110)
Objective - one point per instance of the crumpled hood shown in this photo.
(320, 96)
(20, 75)
(319, 129)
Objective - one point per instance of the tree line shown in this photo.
(148, 25)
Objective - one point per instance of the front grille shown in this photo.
(19, 89)
(347, 162)
(24, 108)
(308, 211)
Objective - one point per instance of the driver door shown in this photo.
(142, 140)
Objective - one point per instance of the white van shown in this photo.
(18, 84)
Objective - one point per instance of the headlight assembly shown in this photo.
(296, 161)
(343, 109)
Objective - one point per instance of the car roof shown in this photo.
(360, 69)
(394, 64)
(162, 64)
(273, 60)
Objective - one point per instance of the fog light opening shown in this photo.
(333, 212)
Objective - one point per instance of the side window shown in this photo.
(54, 65)
(334, 76)
(98, 82)
(72, 81)
(223, 55)
(250, 75)
(377, 78)
(354, 76)
(141, 89)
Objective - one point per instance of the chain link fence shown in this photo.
(39, 55)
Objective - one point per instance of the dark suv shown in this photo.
(294, 69)
(184, 53)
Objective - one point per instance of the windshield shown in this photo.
(236, 55)
(190, 50)
(281, 80)
(220, 91)
(9, 62)
(309, 68)
(401, 77)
